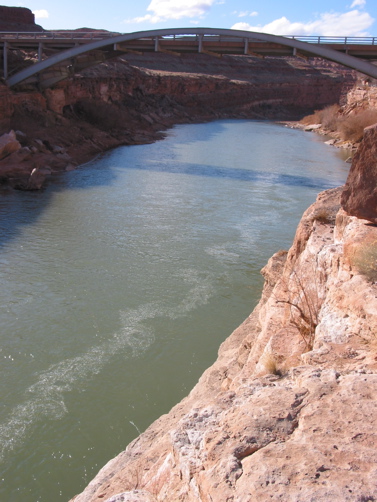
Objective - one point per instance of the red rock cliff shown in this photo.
(125, 102)
(17, 19)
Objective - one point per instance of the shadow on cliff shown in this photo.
(19, 209)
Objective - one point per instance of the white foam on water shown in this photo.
(46, 395)
(198, 295)
(221, 253)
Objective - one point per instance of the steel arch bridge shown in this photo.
(72, 52)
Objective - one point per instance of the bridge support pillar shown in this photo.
(5, 60)
(246, 46)
(40, 51)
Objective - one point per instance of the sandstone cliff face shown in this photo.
(127, 102)
(17, 19)
(360, 195)
(361, 97)
(288, 410)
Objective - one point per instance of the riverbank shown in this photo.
(344, 124)
(288, 410)
(134, 100)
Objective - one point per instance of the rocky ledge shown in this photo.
(289, 409)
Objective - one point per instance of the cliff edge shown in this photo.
(289, 409)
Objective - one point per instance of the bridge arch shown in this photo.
(219, 40)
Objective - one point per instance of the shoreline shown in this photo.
(134, 100)
(64, 160)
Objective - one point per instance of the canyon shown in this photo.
(287, 411)
(134, 99)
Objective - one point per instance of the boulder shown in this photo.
(359, 197)
(312, 127)
(38, 177)
(8, 144)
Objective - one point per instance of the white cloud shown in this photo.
(245, 13)
(358, 3)
(174, 9)
(352, 23)
(40, 14)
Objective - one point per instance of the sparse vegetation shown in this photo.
(269, 363)
(304, 304)
(273, 364)
(327, 117)
(352, 127)
(349, 127)
(364, 259)
(324, 216)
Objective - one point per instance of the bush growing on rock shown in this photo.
(352, 127)
(328, 117)
(363, 257)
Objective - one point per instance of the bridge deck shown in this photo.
(57, 48)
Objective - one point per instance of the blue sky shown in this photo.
(289, 17)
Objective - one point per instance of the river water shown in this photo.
(121, 279)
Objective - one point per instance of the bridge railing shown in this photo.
(98, 35)
(336, 40)
(56, 35)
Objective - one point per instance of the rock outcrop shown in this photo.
(8, 144)
(288, 410)
(360, 195)
(17, 19)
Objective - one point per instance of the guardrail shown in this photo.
(91, 36)
(56, 35)
(336, 40)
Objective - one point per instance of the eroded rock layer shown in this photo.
(288, 410)
(132, 101)
(17, 19)
(360, 195)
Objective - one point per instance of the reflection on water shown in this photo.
(122, 278)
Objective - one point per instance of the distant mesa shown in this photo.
(17, 19)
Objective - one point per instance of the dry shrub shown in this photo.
(328, 117)
(352, 127)
(304, 304)
(315, 118)
(324, 216)
(363, 257)
(269, 363)
(272, 364)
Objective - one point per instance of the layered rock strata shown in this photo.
(360, 195)
(288, 410)
(17, 19)
(128, 102)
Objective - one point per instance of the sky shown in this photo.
(289, 17)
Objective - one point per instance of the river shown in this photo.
(121, 279)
